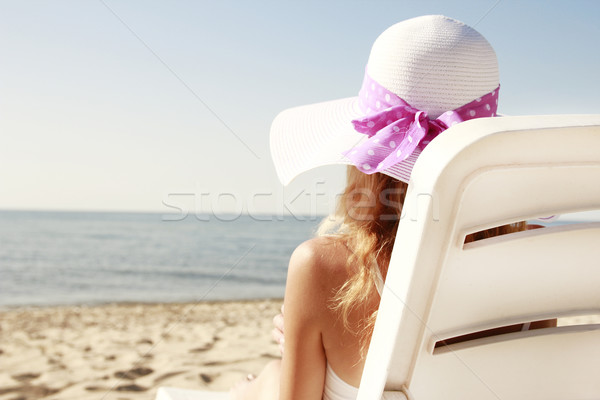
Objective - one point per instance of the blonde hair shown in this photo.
(366, 219)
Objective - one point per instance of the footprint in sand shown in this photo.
(206, 378)
(134, 373)
(203, 348)
(167, 376)
(25, 377)
(97, 388)
(131, 388)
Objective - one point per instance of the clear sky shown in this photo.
(124, 105)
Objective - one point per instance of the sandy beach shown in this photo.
(127, 351)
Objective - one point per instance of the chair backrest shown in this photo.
(475, 176)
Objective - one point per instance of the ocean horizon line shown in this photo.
(575, 217)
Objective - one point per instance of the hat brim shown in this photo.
(307, 137)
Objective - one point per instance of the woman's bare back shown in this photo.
(342, 347)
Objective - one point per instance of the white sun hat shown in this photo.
(431, 66)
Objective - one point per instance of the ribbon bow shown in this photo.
(396, 129)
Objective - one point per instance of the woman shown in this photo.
(423, 76)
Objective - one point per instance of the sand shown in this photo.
(127, 351)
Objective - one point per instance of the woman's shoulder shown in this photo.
(322, 251)
(316, 271)
(322, 261)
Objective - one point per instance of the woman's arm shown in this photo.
(301, 372)
(304, 364)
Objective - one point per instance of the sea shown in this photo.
(52, 258)
(88, 258)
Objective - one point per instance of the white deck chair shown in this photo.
(480, 174)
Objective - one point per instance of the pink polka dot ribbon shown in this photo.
(396, 129)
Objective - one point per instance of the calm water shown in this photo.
(86, 258)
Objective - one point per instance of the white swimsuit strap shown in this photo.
(379, 282)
